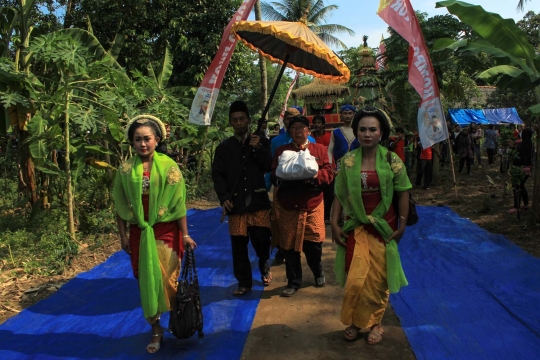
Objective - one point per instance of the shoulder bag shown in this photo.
(186, 317)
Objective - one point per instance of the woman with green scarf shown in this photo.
(150, 194)
(367, 261)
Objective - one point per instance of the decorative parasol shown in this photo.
(292, 44)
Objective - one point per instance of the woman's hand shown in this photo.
(396, 235)
(338, 235)
(189, 242)
(124, 242)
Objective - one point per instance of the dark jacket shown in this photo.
(228, 167)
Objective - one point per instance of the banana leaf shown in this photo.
(501, 33)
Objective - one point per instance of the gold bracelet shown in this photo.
(186, 236)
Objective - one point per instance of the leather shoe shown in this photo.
(288, 292)
(320, 281)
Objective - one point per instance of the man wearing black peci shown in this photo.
(238, 174)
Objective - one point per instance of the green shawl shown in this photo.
(348, 189)
(167, 203)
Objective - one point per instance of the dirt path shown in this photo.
(307, 326)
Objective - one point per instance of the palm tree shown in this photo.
(317, 14)
(521, 4)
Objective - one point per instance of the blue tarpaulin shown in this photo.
(97, 315)
(466, 116)
(471, 294)
(503, 116)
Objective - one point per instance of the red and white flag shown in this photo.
(204, 103)
(381, 59)
(400, 16)
(282, 115)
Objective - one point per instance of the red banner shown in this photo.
(381, 59)
(400, 16)
(203, 105)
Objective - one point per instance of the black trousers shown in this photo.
(425, 169)
(260, 240)
(328, 196)
(293, 265)
(521, 192)
(491, 154)
(463, 160)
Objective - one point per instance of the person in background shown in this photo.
(150, 195)
(323, 137)
(523, 161)
(490, 143)
(465, 146)
(342, 140)
(399, 143)
(453, 136)
(318, 132)
(238, 174)
(298, 209)
(425, 166)
(477, 134)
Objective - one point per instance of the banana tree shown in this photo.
(517, 64)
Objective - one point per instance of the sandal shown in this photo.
(267, 279)
(351, 333)
(241, 290)
(154, 347)
(375, 335)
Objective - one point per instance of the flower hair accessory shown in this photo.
(144, 118)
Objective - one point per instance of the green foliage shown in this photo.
(317, 15)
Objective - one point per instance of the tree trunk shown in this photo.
(69, 188)
(67, 17)
(262, 63)
(536, 173)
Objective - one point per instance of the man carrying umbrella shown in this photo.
(238, 174)
(343, 140)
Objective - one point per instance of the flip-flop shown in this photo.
(267, 279)
(375, 335)
(241, 290)
(351, 333)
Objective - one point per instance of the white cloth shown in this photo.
(296, 165)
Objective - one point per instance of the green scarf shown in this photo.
(348, 189)
(167, 203)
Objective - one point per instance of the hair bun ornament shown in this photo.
(141, 119)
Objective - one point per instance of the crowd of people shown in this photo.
(351, 185)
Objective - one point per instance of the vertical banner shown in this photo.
(381, 59)
(282, 115)
(204, 103)
(400, 16)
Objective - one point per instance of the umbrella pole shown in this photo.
(274, 89)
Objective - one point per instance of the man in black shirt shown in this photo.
(238, 174)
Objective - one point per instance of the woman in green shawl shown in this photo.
(150, 194)
(367, 261)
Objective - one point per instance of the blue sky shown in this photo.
(361, 16)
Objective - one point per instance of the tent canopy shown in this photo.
(465, 117)
(503, 116)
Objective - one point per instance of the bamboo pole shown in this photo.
(199, 165)
(450, 151)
